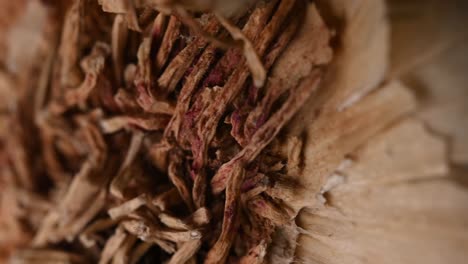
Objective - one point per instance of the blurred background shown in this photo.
(430, 54)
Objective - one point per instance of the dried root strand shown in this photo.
(167, 199)
(206, 125)
(185, 252)
(127, 207)
(144, 74)
(253, 61)
(182, 61)
(274, 89)
(99, 225)
(73, 212)
(139, 251)
(171, 34)
(119, 183)
(194, 25)
(152, 233)
(20, 160)
(187, 91)
(112, 245)
(51, 161)
(200, 217)
(126, 7)
(122, 256)
(174, 173)
(118, 43)
(68, 49)
(93, 66)
(219, 252)
(173, 222)
(232, 57)
(117, 123)
(264, 135)
(147, 233)
(257, 20)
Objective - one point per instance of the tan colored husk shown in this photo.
(342, 114)
(398, 203)
(396, 198)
